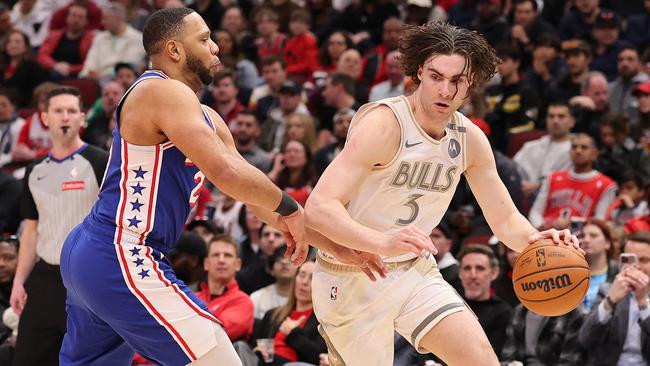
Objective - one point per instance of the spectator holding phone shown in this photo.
(596, 240)
(617, 332)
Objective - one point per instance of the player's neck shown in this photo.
(177, 74)
(433, 124)
(63, 149)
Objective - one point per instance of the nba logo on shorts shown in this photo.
(334, 293)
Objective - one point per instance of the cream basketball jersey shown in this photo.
(416, 187)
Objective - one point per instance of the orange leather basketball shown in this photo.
(549, 279)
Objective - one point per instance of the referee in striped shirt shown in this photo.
(59, 191)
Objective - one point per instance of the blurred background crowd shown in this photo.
(567, 114)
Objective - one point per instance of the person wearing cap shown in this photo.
(204, 227)
(490, 23)
(606, 33)
(290, 101)
(187, 259)
(640, 128)
(577, 55)
(630, 75)
(579, 20)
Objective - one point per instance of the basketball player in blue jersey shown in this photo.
(394, 180)
(122, 295)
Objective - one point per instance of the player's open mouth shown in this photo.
(65, 129)
(441, 105)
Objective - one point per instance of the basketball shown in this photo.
(549, 279)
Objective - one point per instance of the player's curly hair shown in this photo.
(418, 43)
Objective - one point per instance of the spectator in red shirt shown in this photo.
(34, 139)
(271, 41)
(293, 326)
(301, 50)
(64, 51)
(221, 293)
(94, 15)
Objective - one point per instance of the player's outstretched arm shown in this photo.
(504, 219)
(373, 140)
(183, 123)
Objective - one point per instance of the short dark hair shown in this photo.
(627, 46)
(517, 2)
(558, 103)
(641, 236)
(344, 79)
(162, 25)
(248, 112)
(479, 249)
(223, 74)
(63, 90)
(630, 175)
(506, 50)
(10, 94)
(300, 15)
(418, 43)
(270, 60)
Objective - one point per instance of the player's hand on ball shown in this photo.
(294, 233)
(368, 262)
(559, 237)
(408, 240)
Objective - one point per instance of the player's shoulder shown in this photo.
(374, 116)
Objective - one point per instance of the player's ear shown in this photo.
(44, 118)
(174, 49)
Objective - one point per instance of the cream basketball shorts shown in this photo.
(358, 317)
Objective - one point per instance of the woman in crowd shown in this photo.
(293, 171)
(300, 127)
(293, 326)
(19, 69)
(246, 71)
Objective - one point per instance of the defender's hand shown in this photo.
(408, 240)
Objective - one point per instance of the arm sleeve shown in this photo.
(98, 159)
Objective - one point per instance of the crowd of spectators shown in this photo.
(567, 114)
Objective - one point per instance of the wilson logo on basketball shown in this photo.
(548, 284)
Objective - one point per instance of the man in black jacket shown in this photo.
(617, 331)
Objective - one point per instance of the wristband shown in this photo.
(287, 205)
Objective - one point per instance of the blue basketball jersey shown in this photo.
(147, 191)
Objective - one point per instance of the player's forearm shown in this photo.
(238, 179)
(514, 231)
(332, 220)
(26, 256)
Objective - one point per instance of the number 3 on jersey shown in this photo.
(415, 210)
(196, 191)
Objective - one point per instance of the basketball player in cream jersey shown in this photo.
(392, 183)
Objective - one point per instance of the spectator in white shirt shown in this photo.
(118, 43)
(392, 87)
(32, 18)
